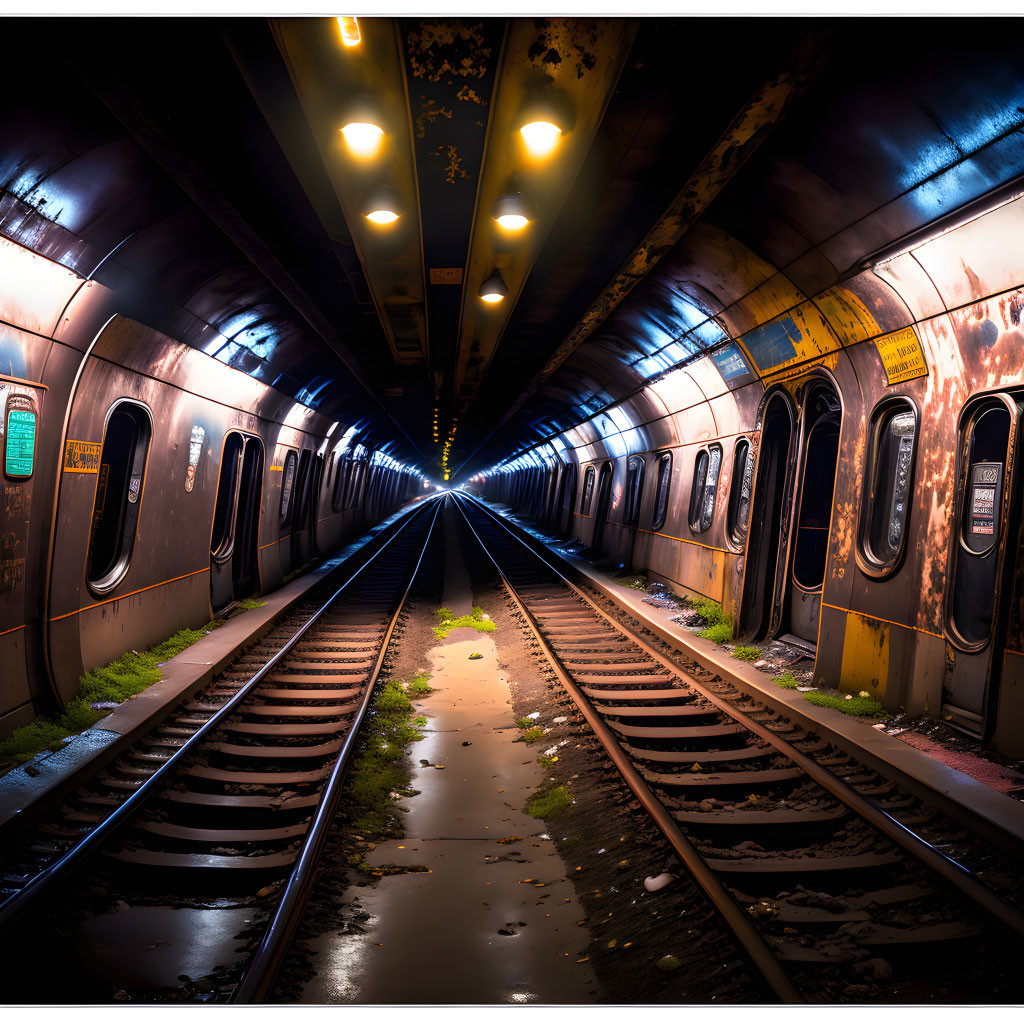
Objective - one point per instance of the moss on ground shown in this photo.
(848, 705)
(123, 678)
(524, 723)
(746, 653)
(787, 681)
(250, 603)
(419, 686)
(548, 803)
(380, 767)
(532, 735)
(448, 621)
(547, 761)
(720, 633)
(633, 582)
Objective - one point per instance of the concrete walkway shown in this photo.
(437, 937)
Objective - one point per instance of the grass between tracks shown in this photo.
(123, 678)
(380, 767)
(449, 620)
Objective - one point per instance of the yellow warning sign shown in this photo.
(901, 356)
(82, 456)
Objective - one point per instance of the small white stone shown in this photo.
(560, 719)
(655, 882)
(533, 714)
(485, 617)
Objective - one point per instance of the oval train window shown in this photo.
(740, 489)
(661, 490)
(588, 490)
(704, 491)
(287, 483)
(634, 488)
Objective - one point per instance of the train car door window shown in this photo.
(588, 490)
(115, 513)
(244, 562)
(302, 489)
(662, 488)
(981, 521)
(341, 472)
(740, 489)
(634, 488)
(604, 495)
(223, 536)
(288, 487)
(567, 501)
(888, 482)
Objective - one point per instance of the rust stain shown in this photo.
(446, 49)
(430, 112)
(454, 170)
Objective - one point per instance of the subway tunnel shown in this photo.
(722, 312)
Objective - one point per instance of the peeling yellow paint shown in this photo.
(865, 656)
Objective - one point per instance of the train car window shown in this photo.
(704, 492)
(740, 489)
(661, 491)
(223, 537)
(115, 514)
(634, 488)
(287, 487)
(892, 439)
(588, 490)
(981, 521)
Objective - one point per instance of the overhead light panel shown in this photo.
(512, 212)
(349, 28)
(493, 289)
(382, 208)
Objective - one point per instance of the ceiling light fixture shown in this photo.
(493, 289)
(349, 28)
(363, 138)
(540, 137)
(512, 212)
(381, 208)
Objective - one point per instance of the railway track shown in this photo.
(816, 880)
(232, 793)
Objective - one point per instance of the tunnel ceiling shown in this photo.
(197, 165)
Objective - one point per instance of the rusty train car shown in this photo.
(148, 486)
(837, 464)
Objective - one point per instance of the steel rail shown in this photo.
(259, 978)
(960, 877)
(13, 908)
(738, 922)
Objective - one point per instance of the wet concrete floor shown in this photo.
(438, 937)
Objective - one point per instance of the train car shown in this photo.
(148, 486)
(843, 475)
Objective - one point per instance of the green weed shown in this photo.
(547, 761)
(250, 603)
(720, 632)
(124, 677)
(524, 723)
(380, 767)
(746, 653)
(548, 803)
(854, 706)
(787, 681)
(419, 686)
(532, 735)
(633, 582)
(419, 721)
(711, 611)
(449, 620)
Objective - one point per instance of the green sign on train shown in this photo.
(20, 437)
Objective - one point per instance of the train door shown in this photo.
(981, 574)
(820, 423)
(316, 482)
(233, 564)
(762, 566)
(567, 501)
(635, 469)
(604, 496)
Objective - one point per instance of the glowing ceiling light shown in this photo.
(511, 212)
(381, 208)
(493, 289)
(540, 137)
(349, 28)
(363, 138)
